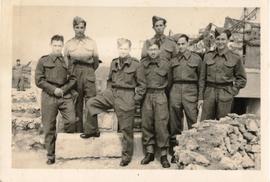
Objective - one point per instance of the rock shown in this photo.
(216, 154)
(191, 144)
(247, 162)
(230, 164)
(255, 148)
(199, 159)
(252, 125)
(249, 136)
(195, 167)
(257, 161)
(183, 157)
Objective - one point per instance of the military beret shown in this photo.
(156, 18)
(220, 30)
(77, 20)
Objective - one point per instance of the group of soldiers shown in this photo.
(168, 82)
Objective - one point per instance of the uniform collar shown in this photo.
(55, 57)
(126, 62)
(186, 54)
(161, 37)
(152, 61)
(224, 52)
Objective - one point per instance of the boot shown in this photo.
(164, 161)
(85, 135)
(148, 158)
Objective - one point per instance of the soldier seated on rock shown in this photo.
(155, 113)
(56, 82)
(126, 87)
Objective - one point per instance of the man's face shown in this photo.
(153, 51)
(57, 46)
(79, 29)
(221, 41)
(159, 27)
(18, 63)
(182, 44)
(124, 50)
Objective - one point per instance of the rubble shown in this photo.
(232, 143)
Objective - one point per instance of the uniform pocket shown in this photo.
(228, 68)
(225, 95)
(129, 76)
(49, 71)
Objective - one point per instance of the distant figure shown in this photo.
(81, 54)
(18, 74)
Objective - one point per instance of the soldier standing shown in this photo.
(56, 82)
(18, 75)
(186, 91)
(81, 54)
(155, 113)
(125, 87)
(225, 76)
(168, 47)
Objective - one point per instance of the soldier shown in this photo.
(125, 87)
(155, 113)
(187, 89)
(168, 47)
(81, 54)
(18, 75)
(56, 82)
(225, 76)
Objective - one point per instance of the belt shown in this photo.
(219, 85)
(185, 82)
(122, 88)
(82, 63)
(56, 84)
(155, 90)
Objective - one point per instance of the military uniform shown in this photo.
(225, 76)
(51, 73)
(155, 113)
(187, 88)
(18, 77)
(126, 85)
(82, 56)
(168, 48)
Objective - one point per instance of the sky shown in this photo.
(34, 26)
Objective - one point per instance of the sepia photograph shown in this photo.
(146, 88)
(138, 90)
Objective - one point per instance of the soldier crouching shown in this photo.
(126, 87)
(56, 82)
(155, 113)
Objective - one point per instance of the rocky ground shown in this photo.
(228, 144)
(233, 143)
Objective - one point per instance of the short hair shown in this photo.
(184, 36)
(77, 20)
(122, 41)
(150, 43)
(57, 38)
(18, 60)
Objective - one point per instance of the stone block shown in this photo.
(108, 145)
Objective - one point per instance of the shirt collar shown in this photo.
(126, 62)
(152, 61)
(224, 52)
(186, 55)
(161, 37)
(54, 57)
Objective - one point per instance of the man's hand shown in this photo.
(58, 92)
(200, 103)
